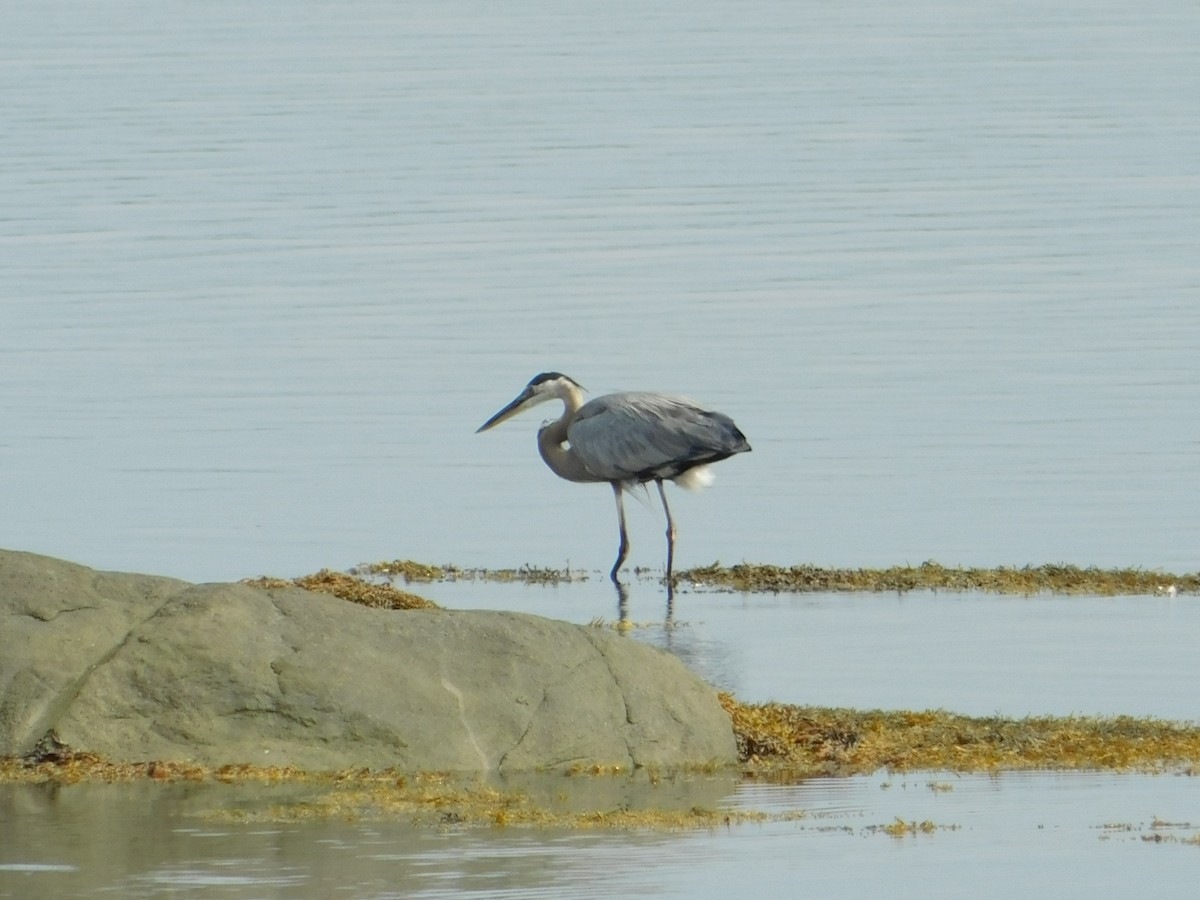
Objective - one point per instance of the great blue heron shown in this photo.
(627, 439)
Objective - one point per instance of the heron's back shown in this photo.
(640, 436)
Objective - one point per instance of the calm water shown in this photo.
(968, 653)
(264, 269)
(1070, 835)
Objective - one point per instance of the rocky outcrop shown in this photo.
(137, 667)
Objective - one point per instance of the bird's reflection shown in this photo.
(623, 604)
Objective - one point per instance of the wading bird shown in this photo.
(627, 439)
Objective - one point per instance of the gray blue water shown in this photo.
(264, 269)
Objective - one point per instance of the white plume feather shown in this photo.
(695, 478)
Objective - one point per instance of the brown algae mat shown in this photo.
(1059, 578)
(789, 743)
(932, 576)
(348, 587)
(425, 799)
(776, 742)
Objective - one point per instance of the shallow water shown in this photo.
(970, 653)
(1087, 834)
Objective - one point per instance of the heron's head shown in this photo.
(547, 386)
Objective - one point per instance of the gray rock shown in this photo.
(135, 667)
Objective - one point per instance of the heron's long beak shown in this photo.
(523, 399)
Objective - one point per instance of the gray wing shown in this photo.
(639, 436)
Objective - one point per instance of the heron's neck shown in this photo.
(553, 446)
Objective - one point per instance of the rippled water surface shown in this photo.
(265, 267)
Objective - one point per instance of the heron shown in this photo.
(627, 439)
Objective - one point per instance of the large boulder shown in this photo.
(136, 667)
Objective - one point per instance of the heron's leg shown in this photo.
(670, 528)
(623, 549)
